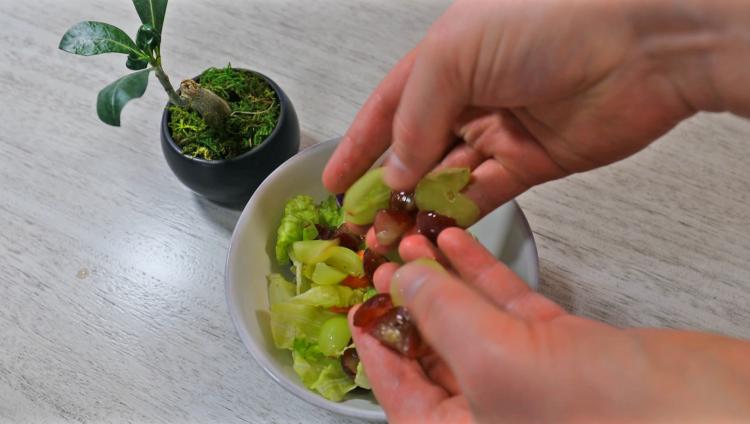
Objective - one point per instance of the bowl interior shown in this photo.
(505, 232)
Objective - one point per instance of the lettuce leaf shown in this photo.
(331, 214)
(361, 379)
(299, 219)
(290, 321)
(319, 372)
(279, 289)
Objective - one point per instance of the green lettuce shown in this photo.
(290, 321)
(361, 379)
(299, 219)
(331, 214)
(279, 289)
(319, 372)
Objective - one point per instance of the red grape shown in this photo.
(430, 224)
(347, 239)
(372, 309)
(349, 361)
(397, 331)
(371, 261)
(390, 225)
(403, 201)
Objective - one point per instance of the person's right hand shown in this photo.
(504, 353)
(541, 89)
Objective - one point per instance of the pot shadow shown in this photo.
(224, 217)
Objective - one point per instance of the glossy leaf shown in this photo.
(91, 38)
(151, 12)
(115, 96)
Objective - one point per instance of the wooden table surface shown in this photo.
(112, 301)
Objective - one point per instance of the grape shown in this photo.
(313, 251)
(347, 239)
(345, 260)
(327, 275)
(392, 326)
(366, 197)
(390, 225)
(324, 232)
(349, 361)
(402, 201)
(439, 191)
(397, 331)
(334, 336)
(430, 224)
(371, 261)
(372, 309)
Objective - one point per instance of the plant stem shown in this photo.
(164, 80)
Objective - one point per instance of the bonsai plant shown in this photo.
(222, 132)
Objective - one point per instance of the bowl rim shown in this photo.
(261, 358)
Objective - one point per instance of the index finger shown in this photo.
(370, 134)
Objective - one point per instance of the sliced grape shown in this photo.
(345, 260)
(390, 225)
(403, 201)
(430, 224)
(396, 330)
(347, 239)
(350, 361)
(439, 191)
(327, 275)
(313, 251)
(366, 197)
(334, 336)
(371, 261)
(372, 309)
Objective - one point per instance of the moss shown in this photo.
(255, 112)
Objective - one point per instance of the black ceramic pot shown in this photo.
(233, 181)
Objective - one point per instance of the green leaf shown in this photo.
(151, 12)
(113, 97)
(90, 38)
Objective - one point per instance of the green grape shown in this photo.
(334, 336)
(366, 197)
(327, 275)
(346, 260)
(439, 191)
(313, 251)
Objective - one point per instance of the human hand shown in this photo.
(503, 353)
(539, 90)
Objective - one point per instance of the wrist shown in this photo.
(701, 46)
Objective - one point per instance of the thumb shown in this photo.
(457, 322)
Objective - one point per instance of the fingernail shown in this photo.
(408, 279)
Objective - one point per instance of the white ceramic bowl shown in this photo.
(505, 232)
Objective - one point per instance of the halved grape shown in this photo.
(350, 361)
(313, 251)
(439, 191)
(366, 197)
(346, 238)
(371, 261)
(345, 260)
(372, 309)
(390, 225)
(327, 275)
(396, 330)
(430, 224)
(334, 336)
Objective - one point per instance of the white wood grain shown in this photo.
(111, 272)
